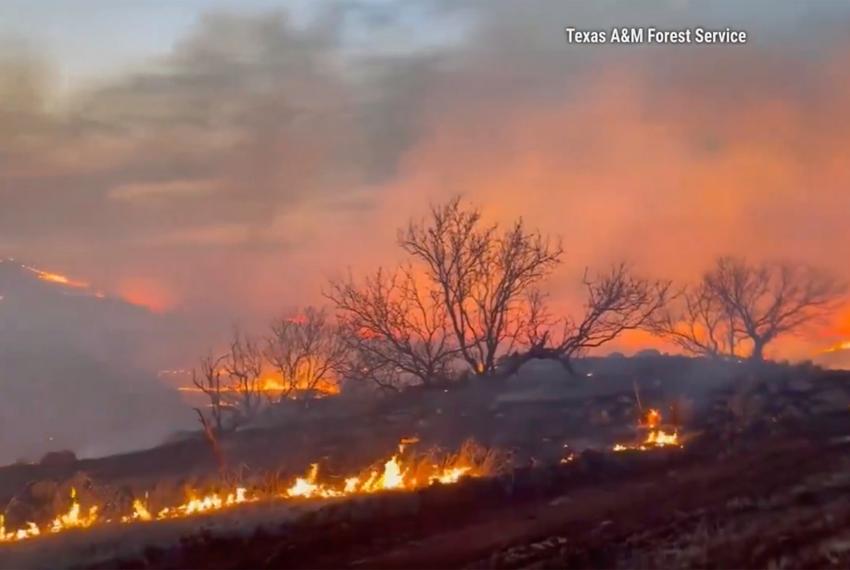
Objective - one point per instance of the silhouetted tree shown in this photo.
(396, 327)
(739, 305)
(208, 379)
(769, 300)
(701, 325)
(483, 275)
(307, 351)
(615, 302)
(243, 365)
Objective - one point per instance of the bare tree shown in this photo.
(700, 325)
(769, 300)
(366, 364)
(243, 365)
(208, 379)
(396, 327)
(616, 301)
(483, 275)
(307, 351)
(740, 306)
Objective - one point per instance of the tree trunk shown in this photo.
(568, 366)
(758, 351)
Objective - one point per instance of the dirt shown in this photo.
(760, 482)
(771, 502)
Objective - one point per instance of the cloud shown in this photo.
(168, 190)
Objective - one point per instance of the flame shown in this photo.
(652, 419)
(73, 518)
(655, 437)
(395, 473)
(661, 438)
(57, 278)
(272, 385)
(844, 345)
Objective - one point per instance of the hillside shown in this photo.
(67, 373)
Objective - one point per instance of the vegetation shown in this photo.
(738, 308)
(469, 301)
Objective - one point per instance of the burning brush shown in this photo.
(402, 471)
(656, 435)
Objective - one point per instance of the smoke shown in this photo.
(229, 177)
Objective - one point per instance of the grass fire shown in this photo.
(400, 473)
(372, 284)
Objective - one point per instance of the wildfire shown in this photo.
(396, 473)
(844, 345)
(652, 419)
(73, 518)
(270, 385)
(57, 278)
(655, 437)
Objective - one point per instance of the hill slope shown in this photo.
(65, 381)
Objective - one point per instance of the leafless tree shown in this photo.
(739, 306)
(397, 328)
(208, 379)
(307, 351)
(483, 275)
(243, 365)
(366, 365)
(616, 301)
(769, 300)
(700, 324)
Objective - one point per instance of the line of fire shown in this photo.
(424, 284)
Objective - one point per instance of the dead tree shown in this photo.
(208, 379)
(212, 439)
(396, 327)
(616, 302)
(243, 365)
(768, 300)
(700, 325)
(483, 275)
(307, 351)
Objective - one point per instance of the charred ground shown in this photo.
(759, 481)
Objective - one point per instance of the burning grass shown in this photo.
(656, 436)
(405, 471)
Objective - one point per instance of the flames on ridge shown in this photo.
(271, 384)
(399, 472)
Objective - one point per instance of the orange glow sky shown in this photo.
(234, 169)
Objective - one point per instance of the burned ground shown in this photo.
(760, 481)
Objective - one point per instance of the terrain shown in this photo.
(80, 355)
(759, 479)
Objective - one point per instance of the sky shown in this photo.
(224, 159)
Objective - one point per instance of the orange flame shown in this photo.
(57, 278)
(395, 474)
(655, 438)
